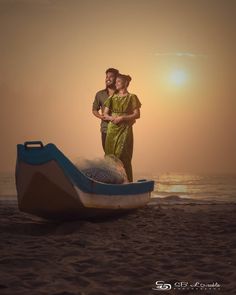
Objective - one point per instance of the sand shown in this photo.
(162, 242)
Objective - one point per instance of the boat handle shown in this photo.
(27, 143)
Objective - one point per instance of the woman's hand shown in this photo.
(117, 120)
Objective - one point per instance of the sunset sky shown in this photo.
(180, 54)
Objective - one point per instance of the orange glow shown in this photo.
(53, 61)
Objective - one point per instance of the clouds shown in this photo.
(181, 54)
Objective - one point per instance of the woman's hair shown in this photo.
(126, 78)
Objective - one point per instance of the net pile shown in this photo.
(108, 170)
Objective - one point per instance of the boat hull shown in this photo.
(45, 191)
(49, 185)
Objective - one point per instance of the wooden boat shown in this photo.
(49, 185)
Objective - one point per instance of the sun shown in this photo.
(178, 77)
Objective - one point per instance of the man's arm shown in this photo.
(106, 115)
(125, 118)
(131, 117)
(96, 107)
(97, 114)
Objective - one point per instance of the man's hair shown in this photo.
(112, 70)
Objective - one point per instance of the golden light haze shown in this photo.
(53, 57)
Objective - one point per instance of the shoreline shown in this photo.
(154, 200)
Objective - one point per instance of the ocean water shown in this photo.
(7, 185)
(213, 187)
(217, 187)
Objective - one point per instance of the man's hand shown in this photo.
(117, 120)
(107, 118)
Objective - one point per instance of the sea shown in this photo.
(177, 187)
(196, 187)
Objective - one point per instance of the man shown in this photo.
(101, 97)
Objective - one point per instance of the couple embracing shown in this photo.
(119, 111)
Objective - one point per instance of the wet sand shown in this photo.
(162, 242)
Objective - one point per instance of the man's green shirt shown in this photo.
(98, 104)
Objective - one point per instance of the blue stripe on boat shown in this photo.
(49, 152)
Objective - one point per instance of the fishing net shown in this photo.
(107, 170)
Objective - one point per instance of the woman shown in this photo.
(124, 108)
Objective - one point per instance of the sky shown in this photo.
(179, 53)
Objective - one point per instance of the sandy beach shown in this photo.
(162, 242)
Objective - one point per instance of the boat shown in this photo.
(50, 186)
